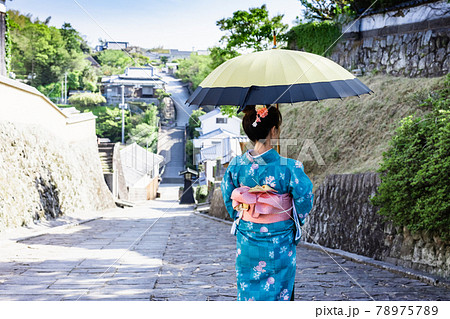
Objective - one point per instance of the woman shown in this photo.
(269, 197)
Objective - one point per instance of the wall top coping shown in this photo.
(410, 15)
(29, 89)
(70, 115)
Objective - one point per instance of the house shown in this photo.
(112, 45)
(219, 141)
(215, 119)
(139, 84)
(141, 171)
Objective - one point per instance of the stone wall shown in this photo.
(43, 176)
(217, 208)
(413, 42)
(343, 218)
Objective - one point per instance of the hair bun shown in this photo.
(249, 109)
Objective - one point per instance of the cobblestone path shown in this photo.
(162, 251)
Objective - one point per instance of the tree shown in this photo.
(39, 54)
(219, 55)
(113, 61)
(195, 69)
(164, 59)
(325, 9)
(251, 29)
(194, 122)
(71, 37)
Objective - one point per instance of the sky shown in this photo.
(172, 24)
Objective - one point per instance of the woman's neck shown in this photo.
(261, 148)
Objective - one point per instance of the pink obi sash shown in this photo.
(262, 207)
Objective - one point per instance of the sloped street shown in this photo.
(163, 251)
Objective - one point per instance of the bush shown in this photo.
(415, 181)
(201, 193)
(195, 69)
(315, 37)
(194, 122)
(86, 99)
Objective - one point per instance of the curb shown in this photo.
(410, 273)
(214, 218)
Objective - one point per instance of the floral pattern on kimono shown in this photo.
(266, 254)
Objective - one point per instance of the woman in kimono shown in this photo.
(269, 197)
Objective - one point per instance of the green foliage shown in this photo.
(116, 61)
(109, 123)
(189, 149)
(140, 128)
(201, 193)
(72, 39)
(87, 99)
(113, 61)
(415, 187)
(324, 10)
(229, 110)
(194, 70)
(164, 59)
(8, 44)
(52, 90)
(194, 122)
(39, 53)
(219, 55)
(252, 29)
(315, 37)
(145, 134)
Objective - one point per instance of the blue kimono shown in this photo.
(265, 254)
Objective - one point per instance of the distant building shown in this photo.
(140, 84)
(175, 54)
(219, 141)
(141, 171)
(112, 45)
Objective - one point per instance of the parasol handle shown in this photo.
(274, 39)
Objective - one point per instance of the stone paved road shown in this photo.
(172, 256)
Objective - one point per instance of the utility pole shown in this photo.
(123, 114)
(65, 88)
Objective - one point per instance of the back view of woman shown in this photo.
(269, 197)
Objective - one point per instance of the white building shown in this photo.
(219, 141)
(141, 171)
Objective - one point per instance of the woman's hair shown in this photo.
(262, 129)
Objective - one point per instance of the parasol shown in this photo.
(276, 76)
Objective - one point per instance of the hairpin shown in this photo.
(261, 112)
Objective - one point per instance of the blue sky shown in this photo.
(174, 24)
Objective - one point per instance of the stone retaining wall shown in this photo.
(43, 176)
(343, 218)
(413, 54)
(411, 41)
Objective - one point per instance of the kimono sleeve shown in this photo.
(227, 186)
(300, 186)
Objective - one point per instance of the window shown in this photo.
(221, 120)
